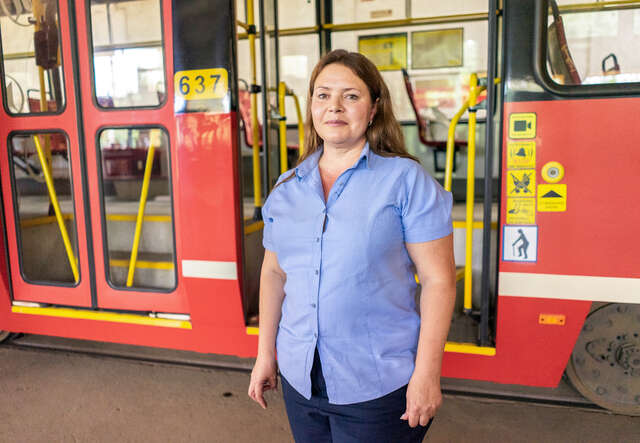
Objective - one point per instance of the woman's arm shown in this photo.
(263, 376)
(436, 270)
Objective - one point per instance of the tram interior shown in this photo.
(128, 73)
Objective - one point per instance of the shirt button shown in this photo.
(315, 335)
(313, 305)
(317, 239)
(317, 272)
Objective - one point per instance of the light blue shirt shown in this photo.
(350, 287)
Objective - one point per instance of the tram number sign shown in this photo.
(201, 84)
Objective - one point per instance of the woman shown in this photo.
(342, 234)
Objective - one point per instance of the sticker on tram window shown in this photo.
(552, 198)
(521, 155)
(201, 84)
(522, 125)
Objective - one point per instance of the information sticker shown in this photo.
(521, 211)
(521, 155)
(201, 84)
(552, 198)
(521, 183)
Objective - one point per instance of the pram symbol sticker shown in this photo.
(522, 183)
(520, 243)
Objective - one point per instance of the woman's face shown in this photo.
(341, 107)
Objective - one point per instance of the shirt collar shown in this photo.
(366, 158)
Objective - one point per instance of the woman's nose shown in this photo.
(336, 104)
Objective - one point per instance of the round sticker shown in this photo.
(552, 172)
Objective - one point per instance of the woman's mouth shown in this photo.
(335, 123)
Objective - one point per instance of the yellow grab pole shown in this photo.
(154, 140)
(448, 169)
(300, 125)
(257, 181)
(284, 166)
(474, 91)
(56, 207)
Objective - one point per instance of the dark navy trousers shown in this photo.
(373, 421)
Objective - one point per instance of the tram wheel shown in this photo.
(4, 335)
(605, 363)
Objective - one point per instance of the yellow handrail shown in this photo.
(451, 136)
(257, 183)
(474, 91)
(284, 165)
(300, 125)
(56, 207)
(155, 139)
(282, 92)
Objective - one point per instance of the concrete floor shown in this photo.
(48, 396)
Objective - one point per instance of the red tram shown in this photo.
(128, 215)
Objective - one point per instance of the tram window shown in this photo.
(357, 11)
(601, 46)
(45, 255)
(33, 80)
(298, 55)
(128, 57)
(126, 155)
(442, 88)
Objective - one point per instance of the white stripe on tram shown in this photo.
(570, 287)
(222, 270)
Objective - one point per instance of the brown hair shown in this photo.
(384, 135)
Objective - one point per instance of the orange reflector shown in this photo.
(552, 319)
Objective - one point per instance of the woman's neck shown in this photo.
(335, 160)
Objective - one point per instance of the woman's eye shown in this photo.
(322, 95)
(352, 97)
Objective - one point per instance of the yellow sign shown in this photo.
(201, 84)
(388, 52)
(552, 172)
(522, 125)
(521, 183)
(521, 211)
(521, 155)
(552, 198)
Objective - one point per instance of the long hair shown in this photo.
(384, 135)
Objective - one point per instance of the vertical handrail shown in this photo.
(284, 164)
(283, 91)
(56, 207)
(254, 90)
(300, 125)
(448, 169)
(474, 92)
(154, 138)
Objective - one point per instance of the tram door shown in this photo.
(87, 169)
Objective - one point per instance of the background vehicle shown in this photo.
(131, 201)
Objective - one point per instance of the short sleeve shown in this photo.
(426, 207)
(267, 240)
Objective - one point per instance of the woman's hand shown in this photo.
(423, 399)
(263, 378)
